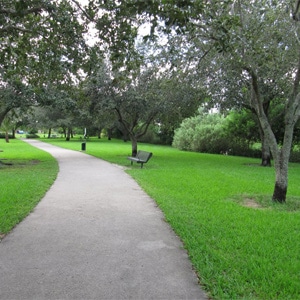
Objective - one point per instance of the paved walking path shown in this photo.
(95, 235)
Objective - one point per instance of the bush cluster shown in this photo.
(2, 136)
(295, 156)
(32, 136)
(202, 134)
(213, 133)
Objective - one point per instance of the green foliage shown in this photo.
(151, 136)
(41, 44)
(32, 37)
(234, 134)
(32, 136)
(134, 101)
(203, 133)
(240, 126)
(2, 136)
(295, 156)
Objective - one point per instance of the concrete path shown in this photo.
(95, 235)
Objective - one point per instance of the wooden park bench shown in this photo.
(142, 157)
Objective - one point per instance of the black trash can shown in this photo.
(83, 145)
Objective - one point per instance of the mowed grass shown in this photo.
(241, 244)
(26, 173)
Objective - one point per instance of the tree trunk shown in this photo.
(279, 194)
(133, 146)
(49, 133)
(280, 156)
(99, 133)
(281, 183)
(68, 134)
(281, 159)
(109, 133)
(265, 145)
(125, 137)
(6, 137)
(3, 113)
(265, 152)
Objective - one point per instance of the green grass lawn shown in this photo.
(26, 174)
(241, 244)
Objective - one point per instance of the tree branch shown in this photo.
(255, 90)
(121, 120)
(203, 56)
(83, 11)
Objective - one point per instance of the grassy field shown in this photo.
(241, 244)
(26, 174)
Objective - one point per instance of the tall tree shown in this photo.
(140, 98)
(267, 51)
(259, 40)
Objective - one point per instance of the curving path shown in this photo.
(95, 235)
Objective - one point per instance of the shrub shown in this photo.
(242, 128)
(32, 136)
(32, 131)
(2, 136)
(203, 133)
(214, 133)
(295, 156)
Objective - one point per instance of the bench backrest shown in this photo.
(143, 155)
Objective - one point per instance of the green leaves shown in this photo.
(37, 37)
(21, 6)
